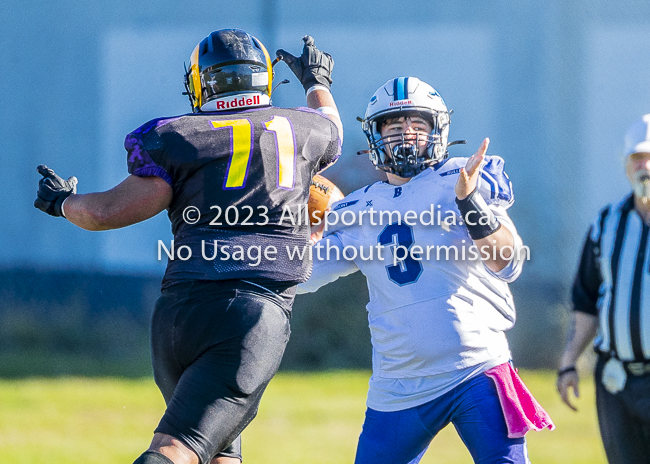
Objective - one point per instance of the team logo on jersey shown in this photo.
(449, 173)
(345, 205)
(398, 192)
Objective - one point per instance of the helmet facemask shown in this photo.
(406, 155)
(222, 81)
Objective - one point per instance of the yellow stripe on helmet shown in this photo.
(195, 77)
(269, 66)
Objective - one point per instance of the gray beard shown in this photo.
(641, 184)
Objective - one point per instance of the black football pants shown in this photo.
(215, 347)
(624, 419)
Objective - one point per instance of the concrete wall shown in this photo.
(554, 85)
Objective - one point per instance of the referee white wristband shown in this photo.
(316, 87)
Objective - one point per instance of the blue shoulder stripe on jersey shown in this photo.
(368, 187)
(345, 205)
(494, 174)
(440, 164)
(492, 182)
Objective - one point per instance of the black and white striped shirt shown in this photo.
(613, 282)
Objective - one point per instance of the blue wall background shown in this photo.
(553, 84)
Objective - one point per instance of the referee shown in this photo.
(611, 300)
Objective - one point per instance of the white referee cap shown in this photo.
(637, 138)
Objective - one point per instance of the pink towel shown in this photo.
(520, 408)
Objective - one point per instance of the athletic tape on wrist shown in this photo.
(62, 210)
(477, 216)
(316, 87)
(328, 110)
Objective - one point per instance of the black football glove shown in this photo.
(52, 190)
(312, 67)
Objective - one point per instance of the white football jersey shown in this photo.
(434, 308)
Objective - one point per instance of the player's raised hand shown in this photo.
(312, 67)
(564, 382)
(468, 178)
(52, 190)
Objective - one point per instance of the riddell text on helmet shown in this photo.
(401, 103)
(238, 102)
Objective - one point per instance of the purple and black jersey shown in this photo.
(241, 173)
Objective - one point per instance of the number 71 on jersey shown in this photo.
(242, 150)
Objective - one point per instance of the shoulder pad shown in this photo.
(494, 183)
(452, 166)
(351, 199)
(154, 124)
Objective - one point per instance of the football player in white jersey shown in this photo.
(438, 249)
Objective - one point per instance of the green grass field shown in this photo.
(307, 418)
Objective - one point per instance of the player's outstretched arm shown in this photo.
(134, 200)
(329, 264)
(313, 68)
(582, 330)
(473, 208)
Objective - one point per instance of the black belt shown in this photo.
(637, 369)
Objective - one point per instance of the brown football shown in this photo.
(322, 193)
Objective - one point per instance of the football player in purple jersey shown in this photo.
(220, 326)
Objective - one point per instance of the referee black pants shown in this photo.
(624, 419)
(215, 347)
